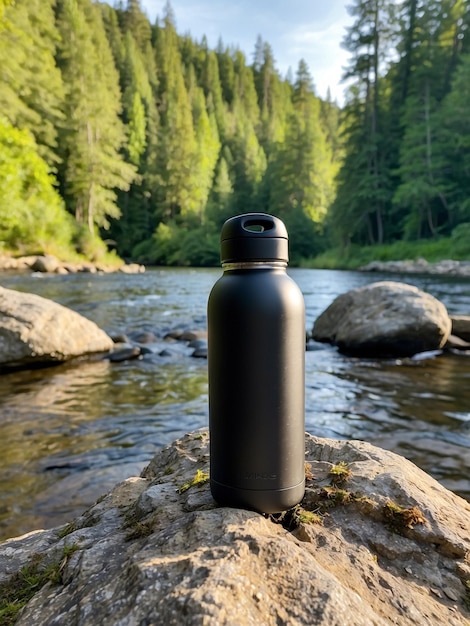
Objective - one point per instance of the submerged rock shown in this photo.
(38, 331)
(376, 541)
(384, 319)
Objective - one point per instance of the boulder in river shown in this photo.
(384, 319)
(461, 326)
(38, 331)
(376, 541)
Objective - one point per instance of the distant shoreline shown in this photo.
(446, 267)
(49, 264)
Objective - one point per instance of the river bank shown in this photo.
(420, 266)
(50, 264)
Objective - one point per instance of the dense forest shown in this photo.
(120, 134)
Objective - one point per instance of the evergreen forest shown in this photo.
(119, 137)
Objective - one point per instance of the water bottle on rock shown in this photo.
(256, 359)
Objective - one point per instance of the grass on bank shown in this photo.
(456, 247)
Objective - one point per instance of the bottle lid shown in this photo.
(254, 237)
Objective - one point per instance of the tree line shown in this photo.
(118, 133)
(406, 171)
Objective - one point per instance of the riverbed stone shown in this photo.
(461, 326)
(386, 544)
(384, 319)
(38, 331)
(45, 263)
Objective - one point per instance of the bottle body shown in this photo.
(256, 356)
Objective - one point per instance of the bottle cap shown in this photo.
(254, 237)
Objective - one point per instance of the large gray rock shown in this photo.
(388, 545)
(34, 330)
(384, 319)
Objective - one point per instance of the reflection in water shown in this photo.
(69, 433)
(407, 406)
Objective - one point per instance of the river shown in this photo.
(71, 432)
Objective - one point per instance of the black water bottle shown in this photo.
(256, 359)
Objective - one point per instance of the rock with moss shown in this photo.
(375, 542)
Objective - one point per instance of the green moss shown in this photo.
(67, 530)
(18, 590)
(309, 517)
(137, 527)
(140, 529)
(339, 473)
(294, 517)
(90, 521)
(400, 519)
(200, 478)
(168, 470)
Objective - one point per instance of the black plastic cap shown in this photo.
(254, 237)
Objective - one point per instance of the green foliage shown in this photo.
(457, 247)
(32, 214)
(171, 245)
(154, 140)
(31, 86)
(406, 131)
(93, 133)
(92, 247)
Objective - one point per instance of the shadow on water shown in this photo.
(68, 434)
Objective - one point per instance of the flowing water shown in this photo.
(69, 433)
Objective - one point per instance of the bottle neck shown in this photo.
(254, 265)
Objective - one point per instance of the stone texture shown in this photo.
(46, 263)
(34, 330)
(461, 326)
(384, 319)
(157, 550)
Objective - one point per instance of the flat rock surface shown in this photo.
(376, 541)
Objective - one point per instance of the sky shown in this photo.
(296, 29)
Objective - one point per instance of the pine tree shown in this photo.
(300, 176)
(206, 154)
(364, 196)
(177, 145)
(423, 164)
(31, 90)
(274, 99)
(134, 21)
(93, 132)
(454, 136)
